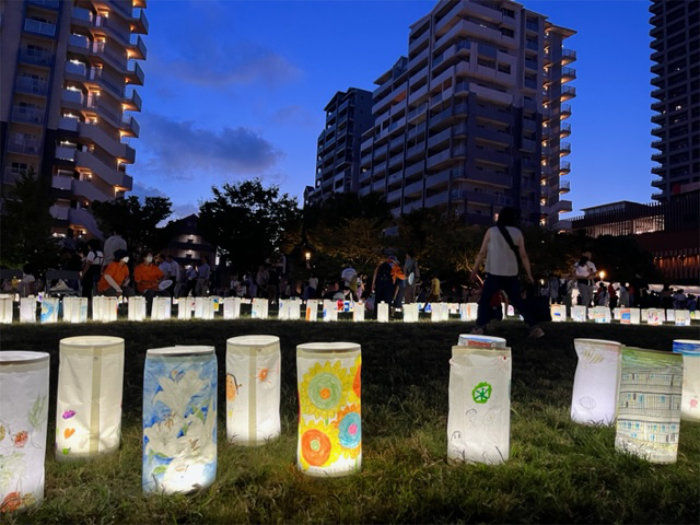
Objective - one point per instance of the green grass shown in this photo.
(558, 471)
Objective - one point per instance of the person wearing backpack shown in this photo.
(503, 249)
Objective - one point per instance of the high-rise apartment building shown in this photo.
(66, 99)
(348, 116)
(473, 119)
(676, 53)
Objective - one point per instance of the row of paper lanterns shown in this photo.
(644, 392)
(75, 310)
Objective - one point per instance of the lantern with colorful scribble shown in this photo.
(630, 316)
(179, 419)
(311, 310)
(578, 313)
(602, 314)
(649, 404)
(6, 306)
(594, 399)
(690, 401)
(481, 341)
(89, 399)
(137, 308)
(232, 308)
(253, 389)
(478, 421)
(24, 383)
(467, 311)
(330, 310)
(558, 313)
(49, 310)
(682, 318)
(330, 427)
(259, 308)
(27, 309)
(75, 309)
(655, 316)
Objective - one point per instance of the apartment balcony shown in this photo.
(564, 187)
(109, 86)
(440, 138)
(79, 45)
(493, 178)
(418, 95)
(562, 206)
(418, 59)
(394, 197)
(564, 130)
(413, 169)
(658, 144)
(658, 157)
(567, 56)
(562, 226)
(564, 149)
(130, 127)
(417, 42)
(67, 153)
(111, 175)
(46, 4)
(87, 190)
(39, 27)
(456, 111)
(658, 170)
(81, 17)
(568, 74)
(139, 24)
(83, 219)
(24, 146)
(491, 94)
(437, 200)
(438, 179)
(137, 50)
(73, 99)
(28, 115)
(567, 92)
(419, 111)
(111, 145)
(528, 145)
(564, 167)
(28, 56)
(442, 158)
(132, 103)
(31, 86)
(565, 111)
(414, 189)
(384, 102)
(60, 213)
(68, 124)
(76, 71)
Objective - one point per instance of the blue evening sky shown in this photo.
(236, 89)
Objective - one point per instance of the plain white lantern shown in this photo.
(232, 308)
(655, 316)
(383, 312)
(179, 419)
(104, 308)
(670, 315)
(27, 309)
(410, 313)
(578, 313)
(649, 404)
(75, 309)
(690, 401)
(259, 309)
(481, 341)
(358, 312)
(440, 312)
(311, 309)
(185, 306)
(558, 313)
(330, 310)
(630, 316)
(594, 398)
(6, 306)
(253, 365)
(682, 318)
(49, 310)
(24, 381)
(330, 427)
(161, 308)
(478, 421)
(89, 400)
(137, 308)
(294, 309)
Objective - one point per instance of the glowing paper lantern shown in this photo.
(440, 312)
(260, 308)
(655, 316)
(594, 398)
(617, 313)
(232, 307)
(330, 426)
(468, 311)
(630, 316)
(179, 419)
(481, 341)
(510, 311)
(410, 313)
(383, 312)
(137, 308)
(24, 402)
(294, 309)
(185, 306)
(75, 309)
(601, 314)
(670, 315)
(330, 311)
(558, 312)
(6, 309)
(27, 309)
(104, 308)
(253, 389)
(690, 401)
(358, 312)
(578, 313)
(649, 404)
(311, 310)
(88, 405)
(161, 308)
(682, 318)
(283, 310)
(49, 310)
(478, 422)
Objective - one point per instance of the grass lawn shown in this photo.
(558, 471)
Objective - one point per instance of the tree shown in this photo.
(137, 222)
(25, 225)
(247, 222)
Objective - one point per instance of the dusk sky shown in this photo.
(236, 90)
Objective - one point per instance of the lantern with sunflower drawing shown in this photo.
(330, 423)
(253, 389)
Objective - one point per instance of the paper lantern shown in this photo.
(293, 309)
(630, 316)
(27, 309)
(510, 311)
(259, 309)
(481, 341)
(89, 399)
(410, 313)
(558, 313)
(6, 306)
(179, 419)
(24, 377)
(468, 311)
(690, 400)
(578, 313)
(232, 307)
(185, 306)
(161, 308)
(49, 310)
(383, 312)
(649, 404)
(670, 315)
(358, 312)
(617, 313)
(330, 310)
(104, 308)
(594, 399)
(137, 308)
(478, 421)
(253, 389)
(440, 312)
(330, 424)
(311, 310)
(601, 314)
(75, 309)
(655, 316)
(682, 318)
(283, 310)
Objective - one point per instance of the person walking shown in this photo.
(92, 268)
(503, 249)
(584, 272)
(412, 272)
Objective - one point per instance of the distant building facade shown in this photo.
(64, 104)
(186, 244)
(474, 118)
(676, 88)
(348, 115)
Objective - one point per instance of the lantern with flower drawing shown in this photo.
(330, 428)
(690, 401)
(49, 310)
(594, 398)
(75, 309)
(253, 389)
(88, 404)
(179, 419)
(478, 421)
(655, 316)
(24, 383)
(232, 307)
(27, 309)
(578, 313)
(137, 308)
(6, 309)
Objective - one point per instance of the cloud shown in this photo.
(294, 115)
(142, 191)
(180, 150)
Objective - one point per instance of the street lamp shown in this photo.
(602, 275)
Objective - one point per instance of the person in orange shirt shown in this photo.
(115, 277)
(147, 276)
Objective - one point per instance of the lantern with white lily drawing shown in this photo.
(253, 365)
(179, 419)
(89, 399)
(594, 399)
(330, 427)
(24, 402)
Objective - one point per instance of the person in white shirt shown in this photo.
(584, 272)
